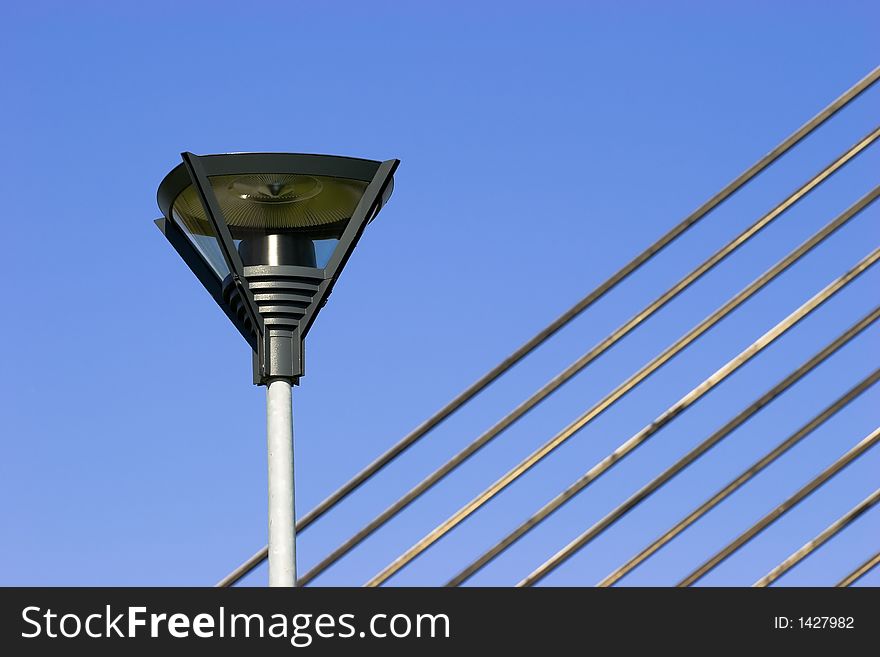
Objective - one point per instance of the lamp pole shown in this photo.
(282, 522)
(267, 234)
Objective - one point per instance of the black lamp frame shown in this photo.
(272, 306)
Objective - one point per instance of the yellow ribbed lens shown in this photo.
(255, 204)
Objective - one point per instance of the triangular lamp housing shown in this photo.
(267, 234)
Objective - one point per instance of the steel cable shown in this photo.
(478, 386)
(672, 412)
(782, 509)
(646, 491)
(826, 535)
(744, 477)
(582, 362)
(860, 572)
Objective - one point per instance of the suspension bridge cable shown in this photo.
(582, 362)
(635, 440)
(826, 535)
(783, 508)
(478, 386)
(631, 444)
(744, 477)
(860, 572)
(647, 490)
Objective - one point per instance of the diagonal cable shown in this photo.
(582, 362)
(635, 379)
(826, 535)
(783, 508)
(814, 423)
(860, 572)
(474, 389)
(671, 413)
(646, 491)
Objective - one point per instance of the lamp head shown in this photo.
(268, 234)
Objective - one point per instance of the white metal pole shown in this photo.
(282, 541)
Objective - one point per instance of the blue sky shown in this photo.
(542, 146)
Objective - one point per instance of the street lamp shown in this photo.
(267, 235)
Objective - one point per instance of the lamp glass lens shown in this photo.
(202, 236)
(278, 218)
